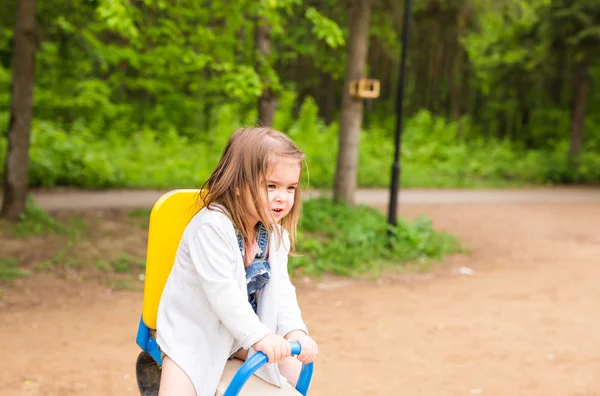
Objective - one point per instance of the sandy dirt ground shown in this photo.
(524, 322)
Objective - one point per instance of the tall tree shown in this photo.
(581, 91)
(267, 101)
(16, 172)
(576, 26)
(352, 108)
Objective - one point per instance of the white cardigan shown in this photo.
(204, 315)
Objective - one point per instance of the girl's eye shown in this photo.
(271, 186)
(291, 188)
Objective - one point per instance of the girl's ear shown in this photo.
(237, 191)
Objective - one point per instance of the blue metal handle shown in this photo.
(256, 361)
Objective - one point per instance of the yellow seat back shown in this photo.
(168, 219)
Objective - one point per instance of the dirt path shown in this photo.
(57, 199)
(525, 323)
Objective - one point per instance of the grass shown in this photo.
(127, 283)
(10, 270)
(351, 241)
(73, 246)
(356, 241)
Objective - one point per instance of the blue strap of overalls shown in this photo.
(258, 272)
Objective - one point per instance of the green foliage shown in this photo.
(498, 45)
(122, 264)
(117, 15)
(36, 221)
(344, 240)
(102, 266)
(127, 283)
(9, 269)
(325, 29)
(432, 155)
(145, 94)
(61, 158)
(318, 141)
(121, 67)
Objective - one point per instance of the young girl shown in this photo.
(229, 293)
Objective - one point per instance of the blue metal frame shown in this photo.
(149, 345)
(256, 361)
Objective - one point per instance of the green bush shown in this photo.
(350, 240)
(432, 154)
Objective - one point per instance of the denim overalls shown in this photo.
(258, 272)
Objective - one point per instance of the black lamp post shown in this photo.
(399, 106)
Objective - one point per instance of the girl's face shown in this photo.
(282, 182)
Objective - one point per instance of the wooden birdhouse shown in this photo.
(364, 88)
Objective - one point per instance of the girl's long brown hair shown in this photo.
(242, 174)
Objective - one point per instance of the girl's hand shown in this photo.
(309, 346)
(275, 347)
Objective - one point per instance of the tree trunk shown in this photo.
(457, 67)
(352, 109)
(375, 63)
(438, 47)
(467, 94)
(580, 99)
(558, 79)
(267, 102)
(421, 69)
(502, 124)
(330, 100)
(16, 171)
(385, 78)
(456, 87)
(522, 115)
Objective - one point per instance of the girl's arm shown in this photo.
(289, 316)
(290, 324)
(214, 261)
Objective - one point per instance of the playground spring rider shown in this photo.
(168, 219)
